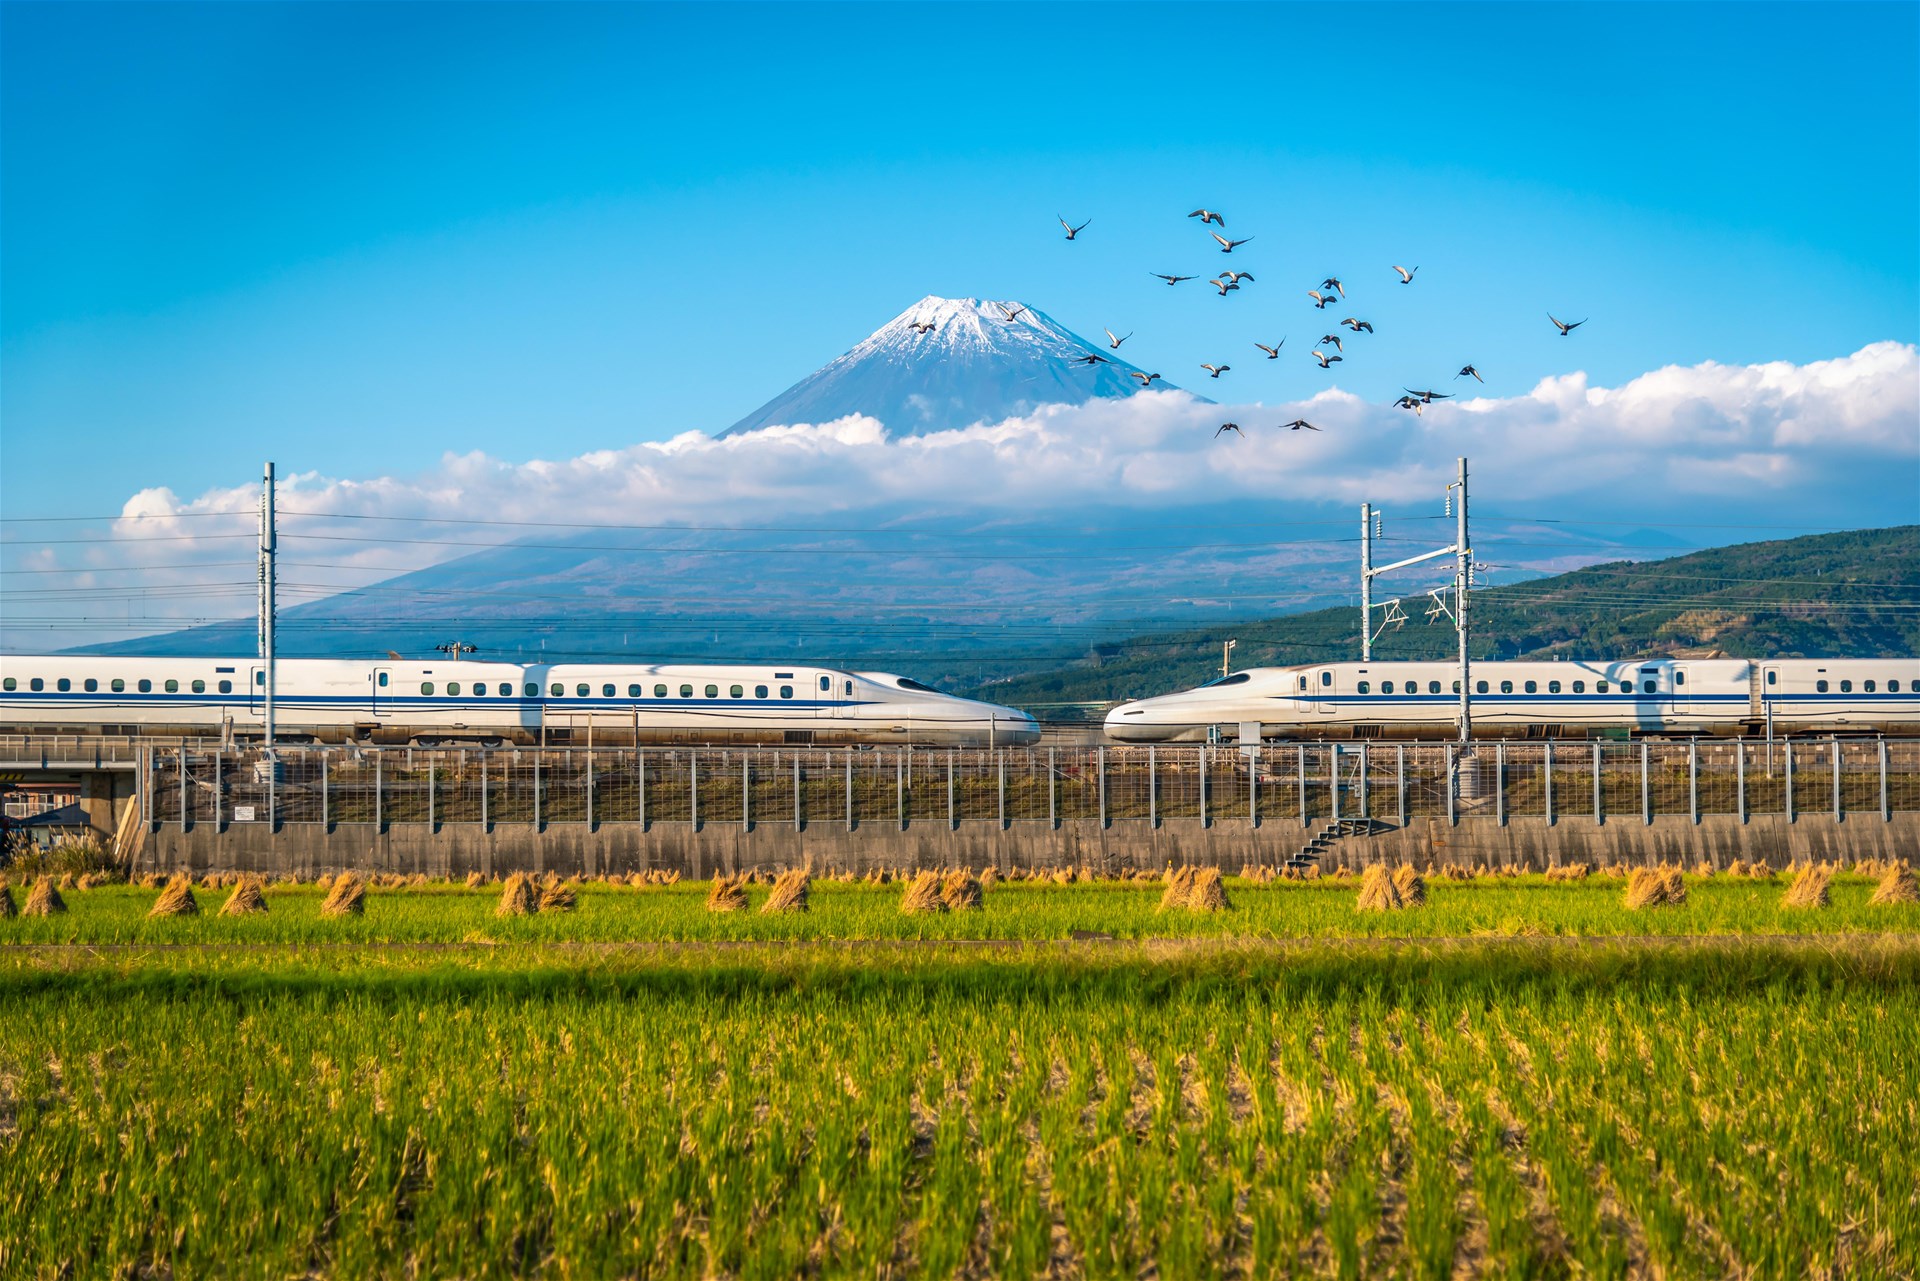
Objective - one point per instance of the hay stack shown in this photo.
(727, 894)
(1655, 887)
(789, 892)
(1809, 888)
(475, 880)
(1412, 886)
(517, 897)
(7, 908)
(1897, 886)
(1759, 872)
(44, 899)
(962, 893)
(1378, 893)
(1179, 886)
(177, 899)
(245, 900)
(1207, 893)
(988, 875)
(348, 897)
(923, 895)
(558, 896)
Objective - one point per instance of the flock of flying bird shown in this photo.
(1329, 291)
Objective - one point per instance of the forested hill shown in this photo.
(1824, 595)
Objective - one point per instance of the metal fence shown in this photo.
(1305, 784)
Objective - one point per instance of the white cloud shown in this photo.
(1834, 442)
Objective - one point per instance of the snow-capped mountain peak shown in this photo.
(951, 362)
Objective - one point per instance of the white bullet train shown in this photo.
(329, 700)
(1513, 700)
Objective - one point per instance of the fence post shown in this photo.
(1693, 780)
(1333, 781)
(900, 785)
(589, 789)
(640, 766)
(380, 792)
(1599, 793)
(1788, 751)
(746, 791)
(953, 821)
(1740, 779)
(1366, 800)
(182, 754)
(326, 818)
(1153, 789)
(219, 759)
(1300, 772)
(849, 789)
(693, 787)
(1453, 773)
(1003, 791)
(1205, 752)
(1400, 779)
(1549, 782)
(1886, 803)
(433, 770)
(1500, 782)
(1053, 791)
(1646, 787)
(486, 820)
(1839, 814)
(1103, 787)
(797, 785)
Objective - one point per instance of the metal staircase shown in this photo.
(1310, 853)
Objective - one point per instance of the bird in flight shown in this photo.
(1072, 230)
(1428, 397)
(1320, 300)
(1358, 326)
(1015, 314)
(1091, 358)
(1333, 282)
(1331, 340)
(1145, 379)
(1273, 352)
(1298, 423)
(1223, 285)
(1172, 280)
(1408, 402)
(1115, 342)
(1237, 276)
(1469, 370)
(924, 326)
(1326, 361)
(1565, 329)
(1206, 216)
(1406, 277)
(1216, 370)
(1226, 246)
(1229, 427)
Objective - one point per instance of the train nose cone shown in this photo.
(1024, 732)
(1128, 723)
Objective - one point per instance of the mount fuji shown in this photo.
(952, 362)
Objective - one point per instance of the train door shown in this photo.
(257, 693)
(1683, 694)
(827, 695)
(380, 695)
(1323, 692)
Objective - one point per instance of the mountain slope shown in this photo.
(971, 365)
(1823, 595)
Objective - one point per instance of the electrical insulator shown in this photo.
(1376, 527)
(1449, 510)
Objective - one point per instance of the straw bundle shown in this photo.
(176, 900)
(1454, 872)
(1760, 872)
(1412, 886)
(1737, 868)
(789, 892)
(1809, 888)
(727, 894)
(1655, 887)
(961, 893)
(7, 908)
(517, 897)
(1378, 893)
(475, 880)
(245, 900)
(1207, 893)
(1179, 886)
(923, 895)
(44, 899)
(558, 896)
(1570, 872)
(988, 875)
(66, 881)
(348, 897)
(1897, 886)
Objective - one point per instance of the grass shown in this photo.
(1500, 1107)
(449, 913)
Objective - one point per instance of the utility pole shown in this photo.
(267, 549)
(1461, 551)
(1226, 648)
(1462, 580)
(1366, 582)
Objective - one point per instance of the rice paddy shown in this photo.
(1275, 1082)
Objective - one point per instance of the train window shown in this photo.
(380, 679)
(1773, 678)
(1846, 687)
(759, 691)
(1532, 687)
(119, 685)
(1600, 687)
(259, 678)
(686, 691)
(426, 687)
(1456, 687)
(1868, 687)
(1579, 687)
(92, 685)
(453, 687)
(480, 689)
(1506, 687)
(786, 691)
(1303, 682)
(583, 689)
(63, 684)
(713, 691)
(226, 687)
(1553, 687)
(9, 684)
(826, 684)
(1893, 687)
(199, 687)
(1480, 687)
(1649, 685)
(146, 686)
(659, 691)
(556, 690)
(636, 691)
(1386, 687)
(736, 692)
(1365, 687)
(1679, 678)
(1820, 687)
(36, 683)
(1326, 679)
(606, 691)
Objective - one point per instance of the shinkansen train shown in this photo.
(426, 703)
(1564, 699)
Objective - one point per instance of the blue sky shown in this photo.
(354, 237)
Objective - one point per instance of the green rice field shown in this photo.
(702, 1104)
